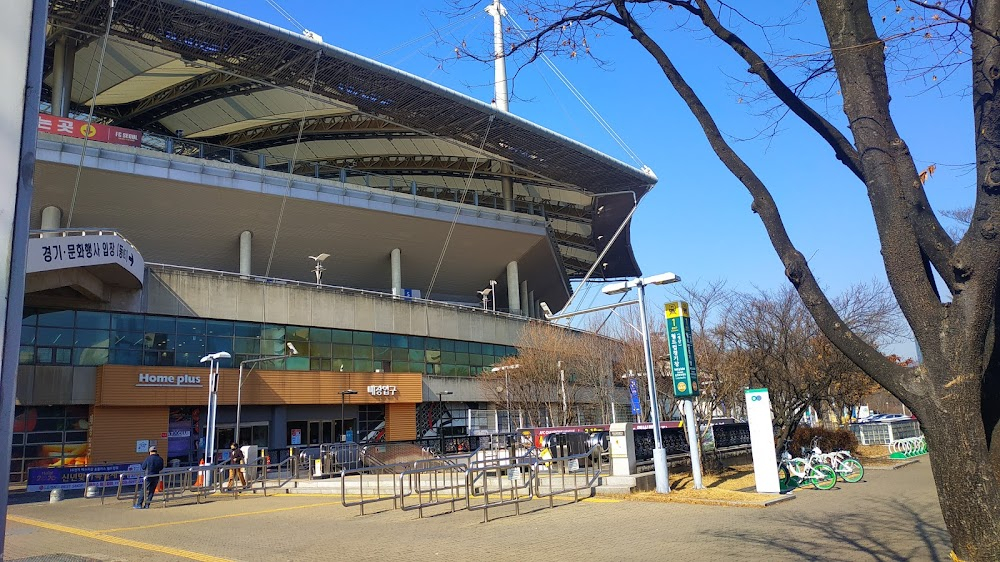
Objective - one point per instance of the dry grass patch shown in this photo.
(720, 489)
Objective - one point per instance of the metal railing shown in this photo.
(574, 473)
(513, 482)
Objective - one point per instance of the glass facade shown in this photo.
(79, 337)
(48, 436)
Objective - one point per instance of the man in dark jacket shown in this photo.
(152, 467)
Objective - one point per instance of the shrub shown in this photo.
(828, 440)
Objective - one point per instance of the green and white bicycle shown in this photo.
(799, 471)
(848, 468)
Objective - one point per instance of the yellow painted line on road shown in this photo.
(215, 517)
(98, 535)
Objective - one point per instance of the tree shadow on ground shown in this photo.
(874, 532)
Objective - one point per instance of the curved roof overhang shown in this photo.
(225, 79)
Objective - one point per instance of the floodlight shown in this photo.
(661, 279)
(216, 356)
(615, 288)
(291, 348)
(485, 292)
(320, 257)
(545, 309)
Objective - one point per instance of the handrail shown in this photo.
(589, 463)
(362, 292)
(515, 480)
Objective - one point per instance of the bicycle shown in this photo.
(793, 472)
(848, 468)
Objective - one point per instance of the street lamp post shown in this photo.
(239, 387)
(343, 419)
(659, 453)
(493, 286)
(213, 397)
(441, 396)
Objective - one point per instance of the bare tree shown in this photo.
(955, 390)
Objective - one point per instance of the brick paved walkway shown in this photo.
(892, 515)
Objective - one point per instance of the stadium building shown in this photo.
(240, 188)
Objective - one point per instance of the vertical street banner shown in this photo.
(681, 346)
(633, 390)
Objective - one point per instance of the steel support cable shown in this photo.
(291, 163)
(583, 100)
(432, 33)
(286, 14)
(458, 211)
(90, 116)
(600, 256)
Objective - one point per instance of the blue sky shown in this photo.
(697, 221)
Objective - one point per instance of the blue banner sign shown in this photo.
(633, 389)
(74, 477)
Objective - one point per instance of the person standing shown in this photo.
(152, 466)
(236, 457)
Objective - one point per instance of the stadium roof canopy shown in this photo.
(186, 68)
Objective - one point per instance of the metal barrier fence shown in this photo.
(513, 483)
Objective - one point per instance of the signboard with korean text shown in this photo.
(82, 130)
(75, 477)
(633, 390)
(60, 252)
(681, 347)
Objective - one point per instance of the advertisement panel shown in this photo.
(75, 477)
(82, 130)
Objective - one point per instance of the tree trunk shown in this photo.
(966, 481)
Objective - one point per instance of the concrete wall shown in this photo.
(206, 295)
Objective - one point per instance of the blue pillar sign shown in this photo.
(681, 347)
(633, 389)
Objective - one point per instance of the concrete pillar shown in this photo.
(51, 219)
(529, 305)
(397, 273)
(513, 297)
(507, 187)
(63, 58)
(524, 298)
(246, 239)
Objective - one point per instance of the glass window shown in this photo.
(382, 340)
(462, 346)
(90, 356)
(342, 351)
(381, 353)
(247, 330)
(447, 357)
(249, 346)
(475, 347)
(320, 335)
(91, 338)
(190, 326)
(316, 364)
(341, 365)
(400, 354)
(297, 333)
(432, 356)
(432, 343)
(362, 366)
(94, 320)
(416, 355)
(341, 336)
(476, 360)
(54, 336)
(447, 345)
(56, 318)
(30, 317)
(127, 322)
(125, 357)
(324, 349)
(192, 344)
(26, 356)
(272, 332)
(362, 352)
(401, 367)
(487, 349)
(399, 341)
(417, 342)
(27, 335)
(432, 369)
(219, 328)
(219, 343)
(462, 358)
(154, 340)
(295, 363)
(363, 338)
(162, 358)
(161, 324)
(44, 355)
(127, 340)
(64, 356)
(272, 347)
